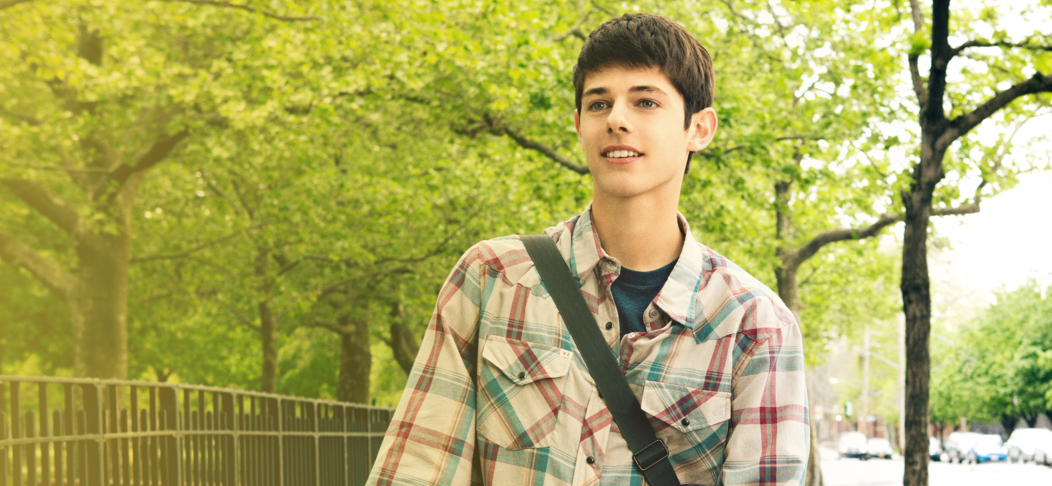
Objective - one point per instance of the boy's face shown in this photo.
(631, 130)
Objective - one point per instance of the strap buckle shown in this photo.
(649, 456)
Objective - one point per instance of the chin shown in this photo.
(625, 189)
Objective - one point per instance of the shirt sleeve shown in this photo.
(769, 439)
(431, 438)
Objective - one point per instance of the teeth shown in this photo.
(620, 153)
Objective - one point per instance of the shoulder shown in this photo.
(506, 258)
(730, 300)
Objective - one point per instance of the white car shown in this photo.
(1024, 444)
(879, 448)
(958, 445)
(934, 449)
(988, 447)
(852, 444)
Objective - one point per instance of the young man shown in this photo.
(499, 393)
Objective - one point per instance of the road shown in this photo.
(884, 472)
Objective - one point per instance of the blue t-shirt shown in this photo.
(633, 292)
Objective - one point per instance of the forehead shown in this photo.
(621, 79)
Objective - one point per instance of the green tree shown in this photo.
(946, 117)
(997, 368)
(97, 95)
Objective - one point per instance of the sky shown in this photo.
(1008, 241)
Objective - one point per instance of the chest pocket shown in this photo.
(520, 391)
(690, 420)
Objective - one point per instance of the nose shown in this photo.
(618, 120)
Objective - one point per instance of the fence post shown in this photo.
(170, 405)
(93, 417)
(274, 409)
(3, 450)
(16, 433)
(313, 416)
(230, 446)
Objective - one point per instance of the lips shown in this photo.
(621, 154)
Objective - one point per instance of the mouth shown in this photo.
(621, 154)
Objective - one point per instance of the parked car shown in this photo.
(958, 444)
(988, 447)
(1024, 443)
(852, 444)
(877, 447)
(934, 449)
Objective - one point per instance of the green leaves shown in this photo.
(999, 365)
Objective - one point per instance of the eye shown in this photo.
(648, 104)
(597, 106)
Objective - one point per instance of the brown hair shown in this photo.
(646, 40)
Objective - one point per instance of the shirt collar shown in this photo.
(583, 252)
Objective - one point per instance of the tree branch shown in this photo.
(46, 203)
(52, 276)
(957, 211)
(918, 83)
(977, 199)
(4, 4)
(576, 29)
(173, 256)
(27, 119)
(240, 317)
(219, 192)
(497, 128)
(932, 112)
(1038, 83)
(716, 151)
(327, 324)
(160, 149)
(886, 219)
(918, 20)
(247, 9)
(1022, 45)
(843, 234)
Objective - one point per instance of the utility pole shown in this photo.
(863, 417)
(902, 383)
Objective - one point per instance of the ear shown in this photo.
(577, 125)
(703, 129)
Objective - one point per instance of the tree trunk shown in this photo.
(403, 343)
(355, 356)
(789, 292)
(267, 327)
(1008, 422)
(98, 303)
(916, 300)
(99, 311)
(3, 389)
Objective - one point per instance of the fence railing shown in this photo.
(88, 432)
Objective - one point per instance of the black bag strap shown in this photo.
(648, 452)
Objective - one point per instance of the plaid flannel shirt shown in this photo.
(499, 393)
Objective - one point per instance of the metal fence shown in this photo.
(124, 433)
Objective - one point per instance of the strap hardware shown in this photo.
(647, 458)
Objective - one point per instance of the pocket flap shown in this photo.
(524, 362)
(685, 408)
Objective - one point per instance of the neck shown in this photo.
(641, 233)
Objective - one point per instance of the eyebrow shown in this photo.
(634, 89)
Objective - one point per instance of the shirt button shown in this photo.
(590, 460)
(609, 326)
(685, 422)
(522, 374)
